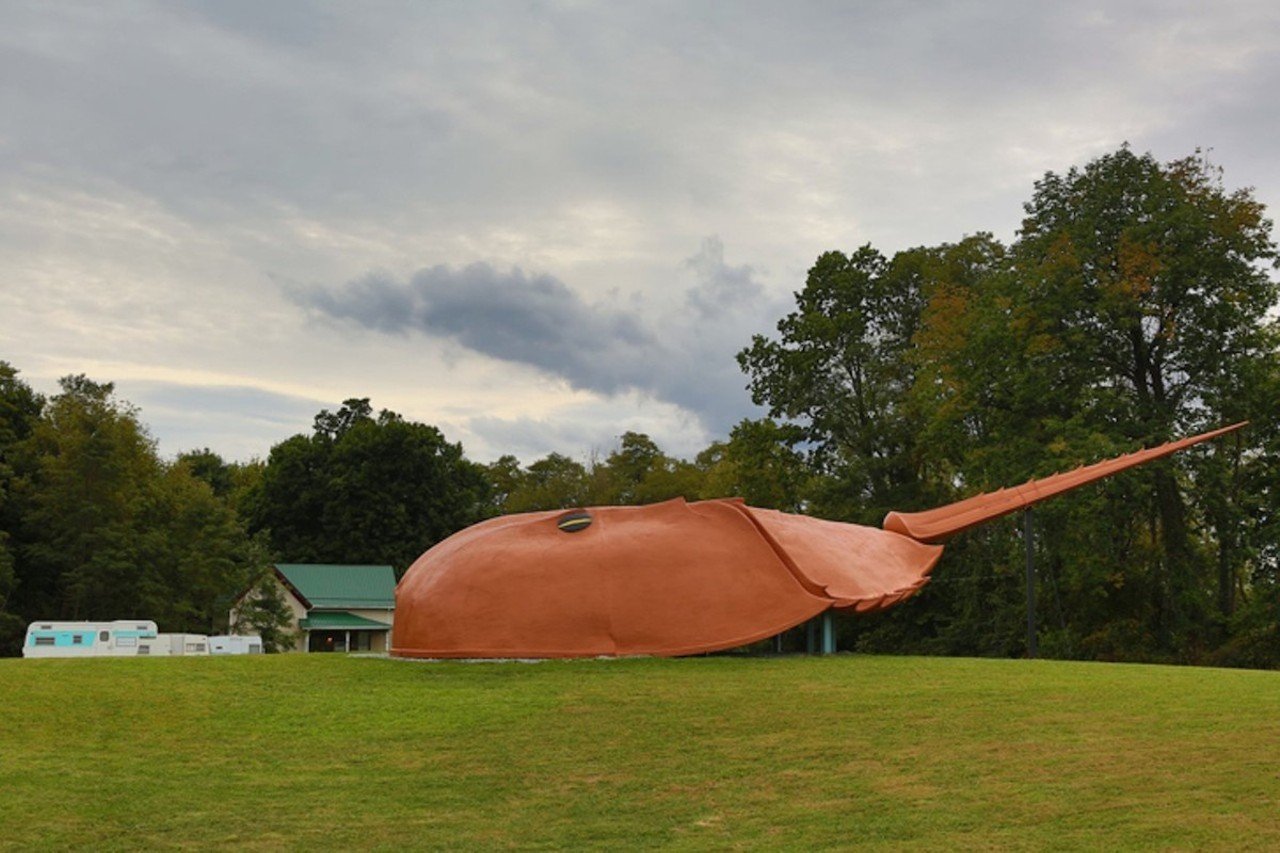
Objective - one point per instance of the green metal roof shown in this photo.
(340, 587)
(340, 620)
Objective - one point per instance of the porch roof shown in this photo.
(340, 620)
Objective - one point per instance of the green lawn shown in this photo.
(329, 752)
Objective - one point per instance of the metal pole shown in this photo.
(828, 633)
(1028, 537)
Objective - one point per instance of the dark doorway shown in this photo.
(327, 641)
(336, 641)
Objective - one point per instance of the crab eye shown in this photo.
(572, 522)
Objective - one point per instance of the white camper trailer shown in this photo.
(235, 645)
(121, 638)
(185, 644)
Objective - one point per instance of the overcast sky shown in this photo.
(538, 225)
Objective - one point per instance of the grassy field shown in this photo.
(333, 752)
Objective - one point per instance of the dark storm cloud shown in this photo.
(683, 356)
(509, 315)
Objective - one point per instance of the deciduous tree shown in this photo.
(365, 489)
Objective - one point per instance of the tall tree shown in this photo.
(1149, 282)
(109, 531)
(92, 464)
(1132, 310)
(20, 410)
(842, 369)
(193, 553)
(365, 489)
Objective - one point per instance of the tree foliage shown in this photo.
(1131, 309)
(263, 611)
(365, 489)
(97, 526)
(760, 464)
(20, 409)
(1148, 285)
(838, 369)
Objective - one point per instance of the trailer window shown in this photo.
(195, 647)
(126, 641)
(103, 636)
(144, 650)
(255, 649)
(44, 641)
(77, 639)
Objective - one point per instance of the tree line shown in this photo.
(1135, 305)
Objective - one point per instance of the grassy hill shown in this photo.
(336, 752)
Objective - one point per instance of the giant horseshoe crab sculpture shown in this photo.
(680, 578)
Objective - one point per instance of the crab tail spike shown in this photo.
(936, 525)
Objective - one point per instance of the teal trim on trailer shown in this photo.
(66, 638)
(61, 638)
(119, 637)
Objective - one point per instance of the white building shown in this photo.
(336, 608)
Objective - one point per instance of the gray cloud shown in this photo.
(683, 356)
(532, 438)
(721, 288)
(512, 316)
(162, 162)
(221, 109)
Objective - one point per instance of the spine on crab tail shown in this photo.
(936, 525)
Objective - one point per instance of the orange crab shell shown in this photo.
(668, 579)
(678, 578)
